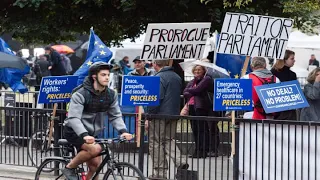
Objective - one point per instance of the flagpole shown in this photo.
(233, 114)
(215, 48)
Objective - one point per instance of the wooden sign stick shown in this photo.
(233, 114)
(55, 106)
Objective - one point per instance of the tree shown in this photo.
(46, 21)
(304, 12)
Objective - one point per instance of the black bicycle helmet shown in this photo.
(98, 66)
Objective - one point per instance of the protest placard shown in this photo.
(56, 89)
(140, 91)
(281, 96)
(175, 41)
(254, 35)
(232, 94)
(10, 101)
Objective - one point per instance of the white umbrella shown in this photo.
(187, 66)
(212, 66)
(214, 71)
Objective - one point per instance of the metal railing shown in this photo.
(264, 149)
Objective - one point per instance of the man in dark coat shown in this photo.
(56, 62)
(313, 61)
(42, 68)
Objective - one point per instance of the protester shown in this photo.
(260, 76)
(66, 63)
(199, 104)
(42, 68)
(162, 132)
(140, 69)
(281, 70)
(56, 62)
(313, 61)
(125, 65)
(312, 93)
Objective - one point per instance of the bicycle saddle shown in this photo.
(63, 142)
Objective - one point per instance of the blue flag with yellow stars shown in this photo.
(12, 76)
(232, 63)
(97, 51)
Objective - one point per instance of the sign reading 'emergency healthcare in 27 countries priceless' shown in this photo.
(232, 94)
(140, 91)
(281, 96)
(56, 89)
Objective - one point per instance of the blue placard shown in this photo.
(140, 91)
(232, 94)
(281, 96)
(56, 89)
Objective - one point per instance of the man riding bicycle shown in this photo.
(89, 105)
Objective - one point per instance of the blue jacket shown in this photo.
(170, 89)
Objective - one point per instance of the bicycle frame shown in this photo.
(105, 161)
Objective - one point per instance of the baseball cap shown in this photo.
(137, 59)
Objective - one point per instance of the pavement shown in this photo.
(17, 172)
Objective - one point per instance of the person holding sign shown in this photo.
(89, 105)
(312, 93)
(281, 70)
(162, 131)
(260, 76)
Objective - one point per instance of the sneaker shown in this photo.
(184, 166)
(156, 177)
(213, 154)
(70, 174)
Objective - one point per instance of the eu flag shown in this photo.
(12, 76)
(232, 63)
(97, 51)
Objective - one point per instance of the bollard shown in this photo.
(236, 156)
(141, 149)
(56, 136)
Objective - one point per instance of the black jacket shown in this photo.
(284, 74)
(41, 68)
(57, 66)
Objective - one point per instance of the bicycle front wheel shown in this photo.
(38, 148)
(51, 169)
(124, 171)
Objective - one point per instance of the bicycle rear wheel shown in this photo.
(124, 171)
(38, 148)
(51, 169)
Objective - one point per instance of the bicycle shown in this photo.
(40, 144)
(51, 167)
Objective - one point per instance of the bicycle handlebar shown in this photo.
(109, 141)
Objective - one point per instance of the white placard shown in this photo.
(254, 35)
(175, 41)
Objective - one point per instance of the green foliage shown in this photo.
(304, 12)
(46, 21)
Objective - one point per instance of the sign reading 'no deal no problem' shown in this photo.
(232, 94)
(175, 41)
(140, 91)
(281, 96)
(254, 35)
(56, 89)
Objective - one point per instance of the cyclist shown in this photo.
(89, 105)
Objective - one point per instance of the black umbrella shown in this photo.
(10, 61)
